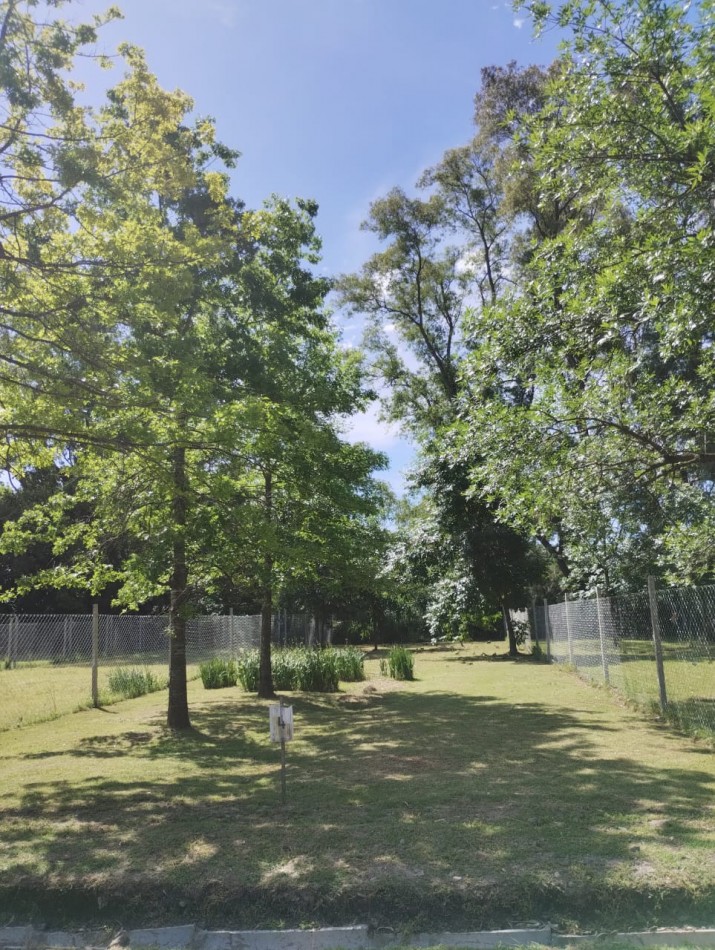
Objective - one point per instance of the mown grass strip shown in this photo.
(485, 793)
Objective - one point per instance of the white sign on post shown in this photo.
(281, 722)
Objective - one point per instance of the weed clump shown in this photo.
(131, 683)
(247, 668)
(350, 663)
(304, 669)
(218, 673)
(400, 664)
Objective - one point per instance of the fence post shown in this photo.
(230, 630)
(655, 626)
(568, 628)
(547, 630)
(12, 637)
(602, 638)
(95, 654)
(536, 622)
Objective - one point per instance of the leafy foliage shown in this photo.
(416, 295)
(218, 673)
(554, 290)
(167, 350)
(611, 453)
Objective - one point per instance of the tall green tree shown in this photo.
(609, 320)
(170, 350)
(104, 254)
(448, 256)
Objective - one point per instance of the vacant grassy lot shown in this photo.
(486, 793)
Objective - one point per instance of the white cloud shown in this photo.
(519, 22)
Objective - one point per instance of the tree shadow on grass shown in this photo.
(462, 809)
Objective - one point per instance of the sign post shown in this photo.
(280, 718)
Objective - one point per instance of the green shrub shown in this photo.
(131, 683)
(316, 671)
(283, 664)
(308, 670)
(400, 665)
(248, 665)
(349, 662)
(218, 673)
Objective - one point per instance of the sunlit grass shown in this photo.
(689, 677)
(41, 691)
(486, 792)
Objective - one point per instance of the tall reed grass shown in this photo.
(302, 668)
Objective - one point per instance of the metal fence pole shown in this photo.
(231, 630)
(12, 638)
(657, 643)
(568, 628)
(536, 622)
(602, 638)
(547, 630)
(95, 654)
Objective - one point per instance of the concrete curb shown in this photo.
(647, 938)
(189, 937)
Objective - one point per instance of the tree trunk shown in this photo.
(375, 630)
(265, 673)
(178, 713)
(509, 627)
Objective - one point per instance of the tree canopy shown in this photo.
(553, 289)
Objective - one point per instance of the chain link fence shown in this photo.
(657, 648)
(47, 660)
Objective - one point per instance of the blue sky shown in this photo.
(337, 100)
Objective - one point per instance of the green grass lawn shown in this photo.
(41, 691)
(689, 676)
(486, 793)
